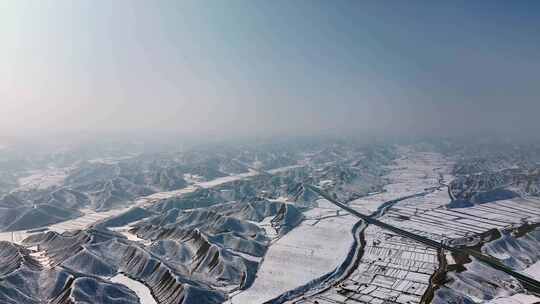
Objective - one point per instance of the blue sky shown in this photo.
(243, 68)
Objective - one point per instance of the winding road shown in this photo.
(531, 284)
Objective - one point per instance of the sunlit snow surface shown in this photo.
(516, 299)
(313, 249)
(534, 271)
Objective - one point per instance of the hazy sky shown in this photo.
(229, 68)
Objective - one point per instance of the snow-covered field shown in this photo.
(140, 289)
(533, 271)
(480, 283)
(110, 160)
(42, 258)
(15, 236)
(283, 169)
(516, 299)
(152, 198)
(124, 230)
(427, 216)
(392, 269)
(88, 218)
(411, 174)
(314, 248)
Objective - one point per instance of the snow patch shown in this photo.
(140, 289)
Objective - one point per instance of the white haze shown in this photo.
(195, 70)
